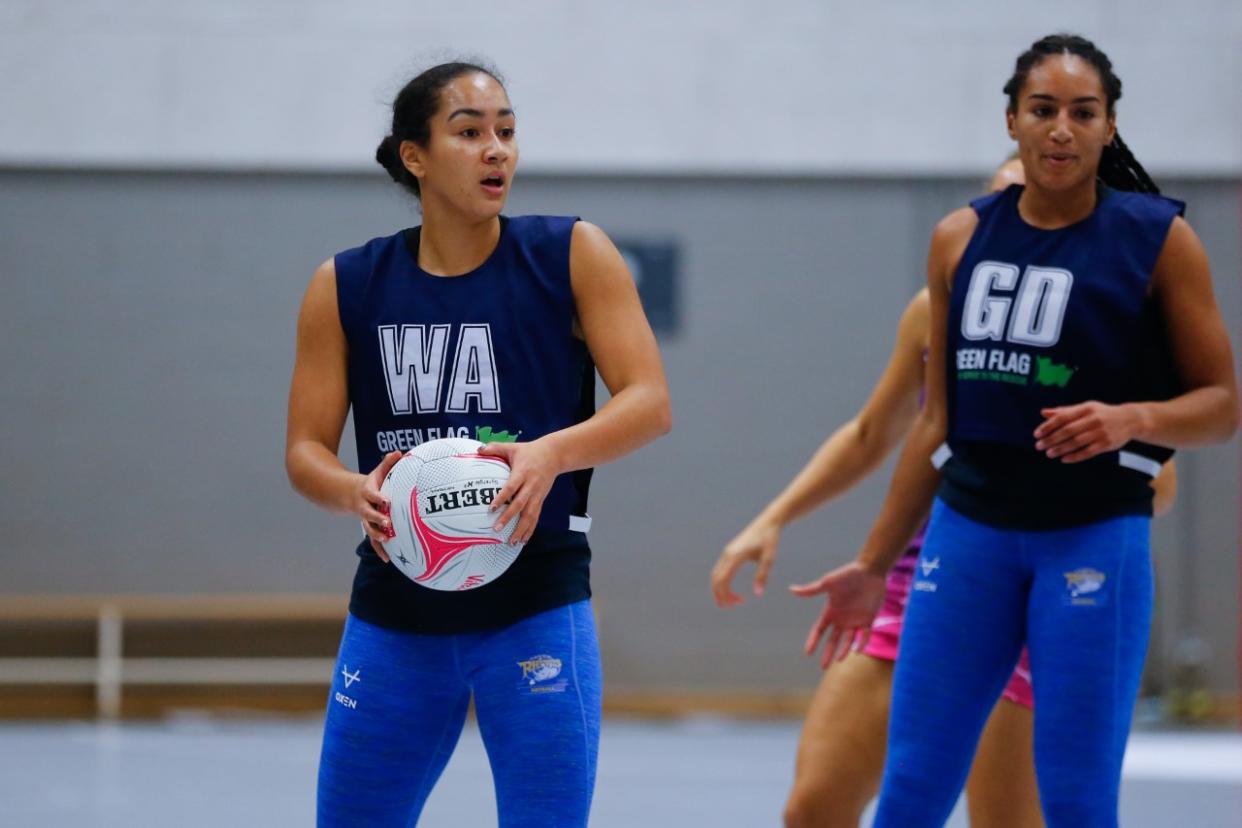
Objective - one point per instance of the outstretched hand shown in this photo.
(854, 596)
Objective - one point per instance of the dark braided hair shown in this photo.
(1119, 168)
(412, 110)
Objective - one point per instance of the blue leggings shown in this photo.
(1081, 600)
(398, 703)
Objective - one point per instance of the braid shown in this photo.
(1120, 170)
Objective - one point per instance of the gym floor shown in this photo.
(191, 771)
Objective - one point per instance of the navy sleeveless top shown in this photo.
(491, 355)
(1043, 318)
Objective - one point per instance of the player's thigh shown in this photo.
(395, 711)
(1090, 616)
(537, 687)
(1001, 791)
(841, 750)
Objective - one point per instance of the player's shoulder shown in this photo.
(324, 275)
(957, 226)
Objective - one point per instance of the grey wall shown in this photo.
(147, 323)
(644, 85)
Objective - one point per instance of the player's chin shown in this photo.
(489, 206)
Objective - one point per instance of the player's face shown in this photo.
(1061, 123)
(470, 158)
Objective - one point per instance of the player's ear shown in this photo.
(412, 158)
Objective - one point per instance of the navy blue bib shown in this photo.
(1043, 318)
(489, 355)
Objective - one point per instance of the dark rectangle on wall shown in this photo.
(654, 266)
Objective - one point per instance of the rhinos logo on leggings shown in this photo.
(540, 675)
(1084, 587)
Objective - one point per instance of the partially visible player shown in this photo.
(473, 325)
(1075, 340)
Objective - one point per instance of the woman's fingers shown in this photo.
(817, 631)
(810, 590)
(763, 569)
(722, 581)
(528, 520)
(377, 517)
(830, 650)
(512, 508)
(1086, 453)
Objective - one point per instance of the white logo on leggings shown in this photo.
(928, 566)
(540, 672)
(1084, 587)
(339, 697)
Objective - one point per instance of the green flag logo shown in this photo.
(1052, 373)
(484, 434)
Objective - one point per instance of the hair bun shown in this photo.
(388, 157)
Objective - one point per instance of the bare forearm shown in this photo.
(319, 476)
(1197, 418)
(634, 416)
(908, 501)
(845, 458)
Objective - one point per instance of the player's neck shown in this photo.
(449, 246)
(1050, 210)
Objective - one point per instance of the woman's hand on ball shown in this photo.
(533, 468)
(373, 507)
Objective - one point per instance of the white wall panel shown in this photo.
(821, 86)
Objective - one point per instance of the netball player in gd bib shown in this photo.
(483, 326)
(1075, 340)
(841, 751)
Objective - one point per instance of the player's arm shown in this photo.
(851, 453)
(318, 405)
(1208, 410)
(624, 350)
(854, 591)
(915, 479)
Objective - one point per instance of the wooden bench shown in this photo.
(200, 640)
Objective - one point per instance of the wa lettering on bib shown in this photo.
(414, 358)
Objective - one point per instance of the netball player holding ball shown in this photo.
(1075, 341)
(482, 326)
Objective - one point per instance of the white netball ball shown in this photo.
(440, 493)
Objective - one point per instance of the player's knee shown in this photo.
(816, 809)
(799, 814)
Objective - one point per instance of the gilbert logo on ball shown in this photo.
(441, 492)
